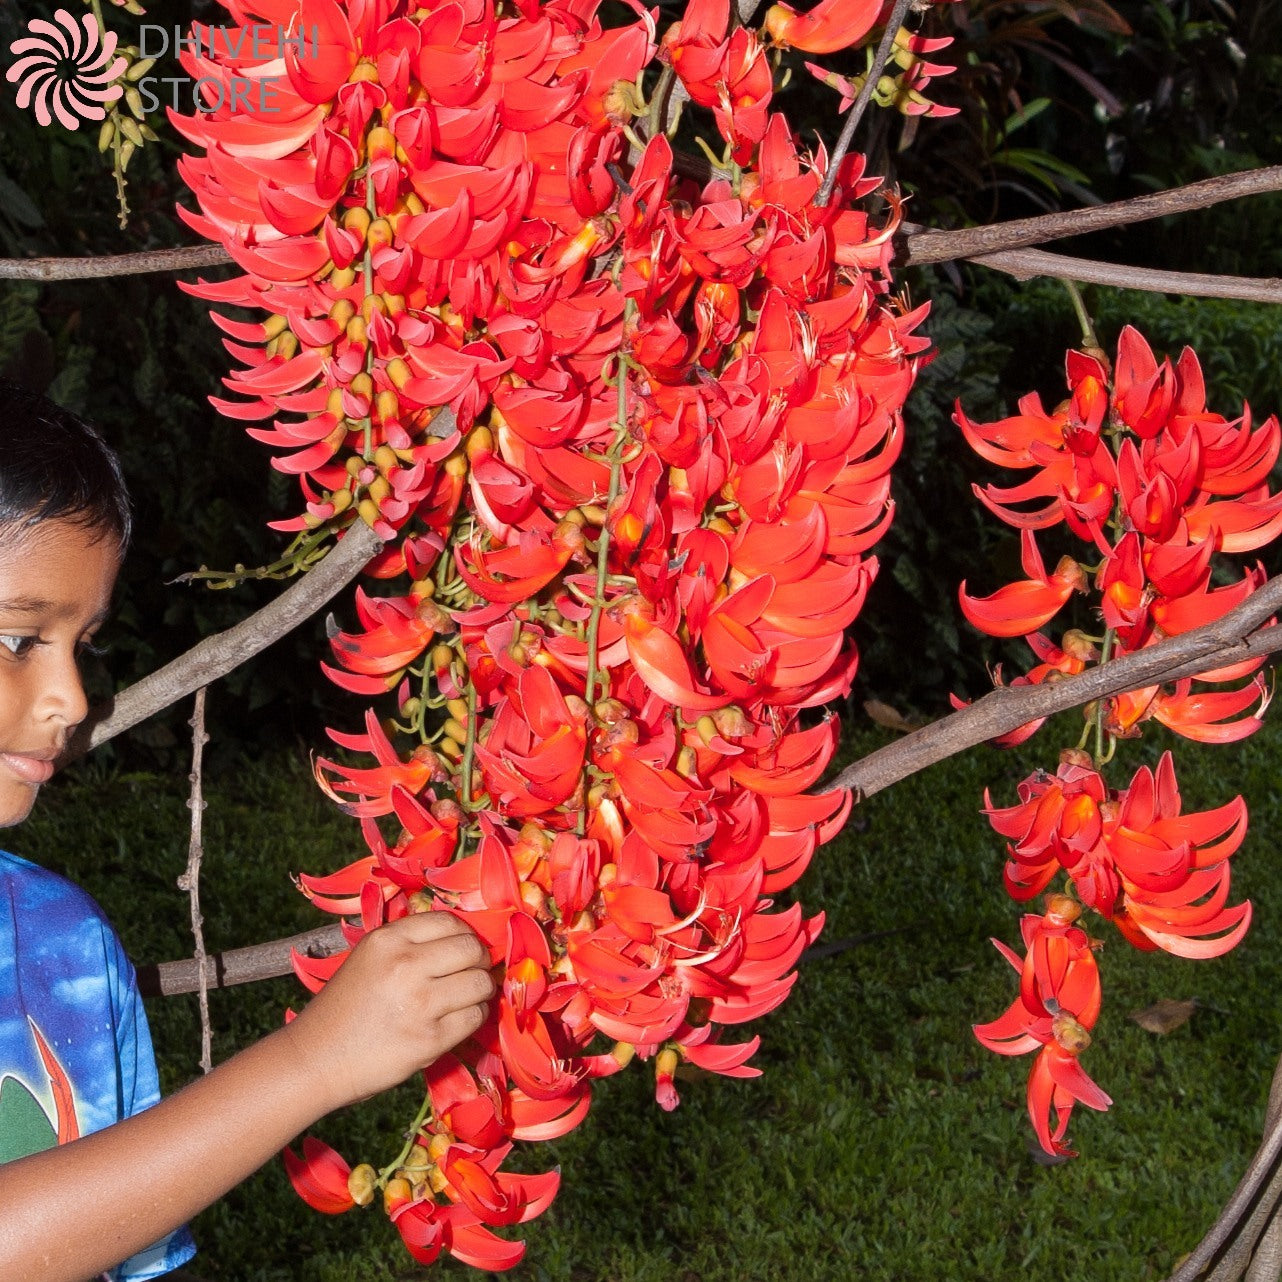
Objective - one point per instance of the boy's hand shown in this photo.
(411, 990)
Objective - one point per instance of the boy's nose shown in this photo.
(63, 698)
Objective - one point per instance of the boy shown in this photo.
(99, 1174)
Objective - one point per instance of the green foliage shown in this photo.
(1238, 344)
(881, 1143)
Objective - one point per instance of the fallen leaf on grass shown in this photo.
(1164, 1016)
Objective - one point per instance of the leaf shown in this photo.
(1164, 1016)
(18, 205)
(884, 715)
(1026, 113)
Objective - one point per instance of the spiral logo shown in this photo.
(65, 69)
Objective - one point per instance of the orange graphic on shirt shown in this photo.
(60, 1084)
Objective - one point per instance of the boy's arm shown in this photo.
(408, 993)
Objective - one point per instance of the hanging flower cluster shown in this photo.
(1156, 485)
(628, 436)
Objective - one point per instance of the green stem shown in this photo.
(469, 750)
(299, 556)
(1083, 316)
(1100, 758)
(372, 209)
(603, 540)
(415, 1126)
(655, 122)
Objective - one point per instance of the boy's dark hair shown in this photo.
(55, 466)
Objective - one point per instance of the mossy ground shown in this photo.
(881, 1143)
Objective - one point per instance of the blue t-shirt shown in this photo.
(75, 1050)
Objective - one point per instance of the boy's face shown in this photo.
(55, 587)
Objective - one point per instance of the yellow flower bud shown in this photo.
(362, 1183)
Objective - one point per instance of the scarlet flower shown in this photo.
(1058, 1002)
(1026, 606)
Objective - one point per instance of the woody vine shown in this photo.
(621, 428)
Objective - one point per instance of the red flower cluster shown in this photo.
(1160, 876)
(1134, 464)
(626, 565)
(1058, 1003)
(1157, 484)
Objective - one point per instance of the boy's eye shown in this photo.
(87, 650)
(19, 647)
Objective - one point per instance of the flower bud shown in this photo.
(1069, 1034)
(732, 722)
(1062, 909)
(447, 811)
(396, 1193)
(480, 440)
(1077, 645)
(356, 219)
(535, 899)
(1073, 572)
(362, 1183)
(380, 234)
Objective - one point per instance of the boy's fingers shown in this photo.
(461, 1024)
(439, 958)
(468, 988)
(423, 928)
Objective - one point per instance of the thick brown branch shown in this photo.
(152, 260)
(1026, 263)
(218, 655)
(924, 245)
(1239, 634)
(921, 244)
(239, 965)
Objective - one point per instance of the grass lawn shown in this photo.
(881, 1143)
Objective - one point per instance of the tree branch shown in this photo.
(1237, 1208)
(218, 655)
(922, 245)
(100, 265)
(860, 105)
(239, 965)
(190, 880)
(925, 245)
(1026, 263)
(1240, 634)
